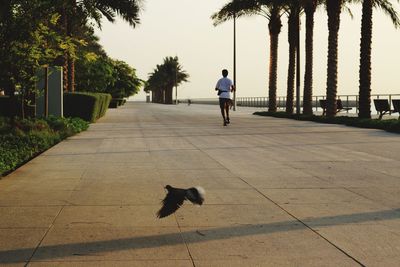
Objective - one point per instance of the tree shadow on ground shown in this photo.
(49, 252)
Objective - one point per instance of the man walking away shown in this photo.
(224, 87)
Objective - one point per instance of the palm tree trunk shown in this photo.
(168, 94)
(334, 9)
(65, 72)
(71, 60)
(365, 60)
(71, 74)
(158, 96)
(308, 72)
(9, 90)
(292, 37)
(274, 26)
(163, 96)
(64, 27)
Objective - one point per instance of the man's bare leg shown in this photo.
(223, 115)
(227, 112)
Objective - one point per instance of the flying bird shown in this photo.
(176, 196)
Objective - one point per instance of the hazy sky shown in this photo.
(184, 28)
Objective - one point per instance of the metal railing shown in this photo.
(348, 101)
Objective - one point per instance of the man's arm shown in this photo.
(217, 86)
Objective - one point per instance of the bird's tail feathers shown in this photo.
(201, 191)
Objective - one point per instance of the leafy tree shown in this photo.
(94, 73)
(97, 72)
(28, 40)
(76, 13)
(126, 82)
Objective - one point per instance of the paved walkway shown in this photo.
(279, 193)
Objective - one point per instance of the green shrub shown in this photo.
(21, 140)
(67, 126)
(392, 125)
(87, 106)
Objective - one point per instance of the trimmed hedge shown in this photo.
(116, 102)
(391, 125)
(22, 140)
(113, 103)
(87, 106)
(4, 105)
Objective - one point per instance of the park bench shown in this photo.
(396, 106)
(383, 107)
(339, 106)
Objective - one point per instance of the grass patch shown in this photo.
(391, 125)
(23, 139)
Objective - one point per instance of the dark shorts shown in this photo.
(222, 102)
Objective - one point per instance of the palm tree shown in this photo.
(310, 7)
(74, 13)
(334, 8)
(365, 51)
(174, 75)
(155, 84)
(293, 9)
(270, 9)
(163, 79)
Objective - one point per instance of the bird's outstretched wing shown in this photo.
(171, 203)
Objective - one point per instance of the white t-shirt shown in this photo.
(224, 84)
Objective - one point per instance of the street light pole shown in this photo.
(176, 83)
(234, 62)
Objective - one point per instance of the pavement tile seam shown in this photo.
(300, 221)
(22, 228)
(184, 241)
(44, 236)
(120, 152)
(50, 227)
(294, 217)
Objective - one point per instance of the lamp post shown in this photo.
(234, 62)
(176, 87)
(176, 81)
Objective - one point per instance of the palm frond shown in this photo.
(129, 10)
(388, 8)
(237, 8)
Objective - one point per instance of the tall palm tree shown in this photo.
(293, 9)
(365, 50)
(310, 7)
(334, 8)
(75, 12)
(270, 9)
